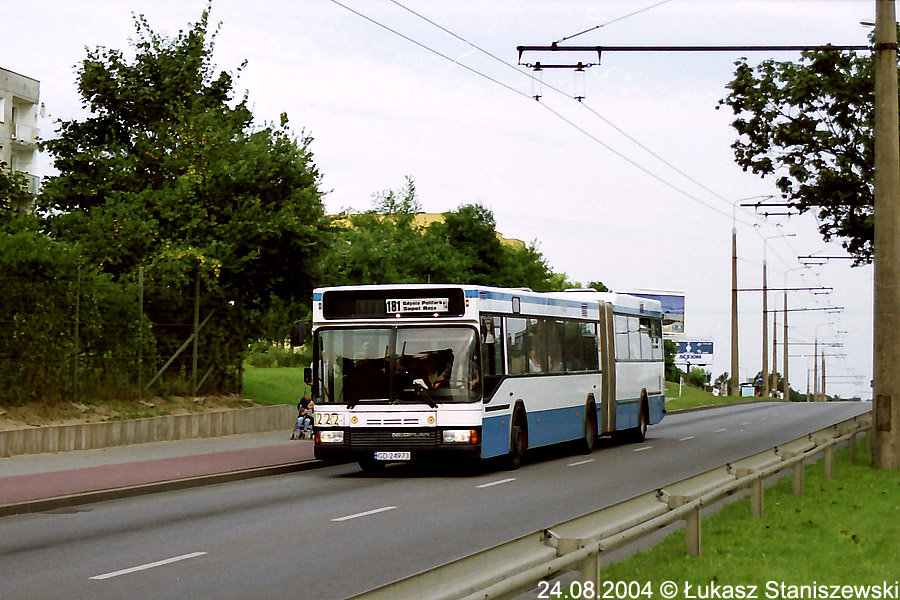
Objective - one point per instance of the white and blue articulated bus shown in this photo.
(402, 372)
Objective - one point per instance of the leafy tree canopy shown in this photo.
(387, 245)
(168, 172)
(809, 124)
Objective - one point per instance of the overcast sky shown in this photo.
(634, 187)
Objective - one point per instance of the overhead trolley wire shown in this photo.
(616, 20)
(616, 128)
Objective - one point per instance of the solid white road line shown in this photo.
(364, 514)
(498, 482)
(149, 565)
(581, 462)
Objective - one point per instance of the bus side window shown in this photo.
(590, 352)
(656, 337)
(621, 337)
(646, 339)
(634, 338)
(516, 345)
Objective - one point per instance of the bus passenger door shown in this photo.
(607, 335)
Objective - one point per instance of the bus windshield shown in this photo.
(431, 365)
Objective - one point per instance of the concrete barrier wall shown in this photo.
(88, 436)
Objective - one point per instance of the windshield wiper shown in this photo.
(422, 390)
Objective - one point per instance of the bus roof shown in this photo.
(569, 298)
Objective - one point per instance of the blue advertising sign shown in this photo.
(695, 353)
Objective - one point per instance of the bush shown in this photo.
(45, 288)
(265, 355)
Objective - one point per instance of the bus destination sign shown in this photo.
(416, 305)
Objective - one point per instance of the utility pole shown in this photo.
(765, 332)
(807, 385)
(886, 446)
(787, 388)
(774, 381)
(816, 372)
(735, 379)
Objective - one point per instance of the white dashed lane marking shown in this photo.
(498, 482)
(152, 565)
(374, 511)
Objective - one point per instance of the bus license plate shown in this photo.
(393, 456)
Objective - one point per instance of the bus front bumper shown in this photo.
(412, 444)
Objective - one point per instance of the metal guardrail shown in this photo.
(515, 567)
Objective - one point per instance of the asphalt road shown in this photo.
(334, 532)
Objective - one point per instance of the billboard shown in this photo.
(696, 353)
(672, 308)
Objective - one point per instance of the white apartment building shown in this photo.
(19, 109)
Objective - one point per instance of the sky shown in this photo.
(635, 186)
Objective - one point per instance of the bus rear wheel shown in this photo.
(588, 442)
(639, 433)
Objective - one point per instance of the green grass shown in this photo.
(692, 397)
(284, 385)
(277, 385)
(841, 531)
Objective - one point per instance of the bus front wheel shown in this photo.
(518, 442)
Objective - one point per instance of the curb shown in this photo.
(58, 502)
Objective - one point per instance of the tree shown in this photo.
(13, 191)
(672, 372)
(809, 124)
(386, 245)
(471, 231)
(169, 173)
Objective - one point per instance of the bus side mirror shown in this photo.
(298, 334)
(307, 376)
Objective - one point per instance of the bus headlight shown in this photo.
(331, 437)
(460, 436)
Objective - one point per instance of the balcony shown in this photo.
(32, 183)
(24, 135)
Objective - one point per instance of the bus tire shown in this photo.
(588, 442)
(639, 433)
(518, 442)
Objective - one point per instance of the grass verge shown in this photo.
(277, 385)
(692, 397)
(841, 531)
